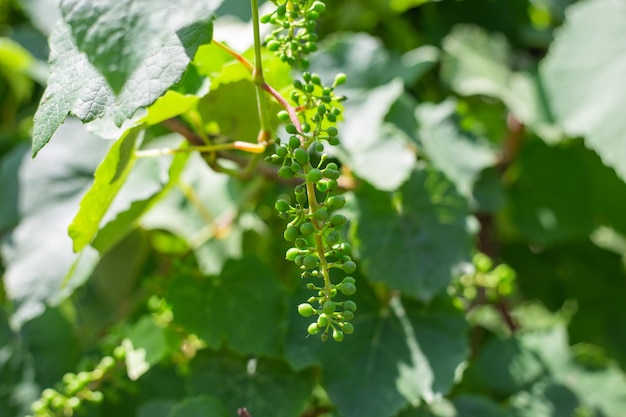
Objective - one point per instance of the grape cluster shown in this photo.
(294, 36)
(77, 389)
(314, 226)
(496, 281)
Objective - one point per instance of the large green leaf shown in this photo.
(40, 265)
(243, 307)
(200, 406)
(584, 78)
(415, 241)
(267, 388)
(476, 62)
(377, 151)
(109, 178)
(121, 36)
(399, 354)
(76, 86)
(459, 155)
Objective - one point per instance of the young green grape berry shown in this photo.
(290, 234)
(310, 261)
(281, 205)
(332, 131)
(331, 174)
(349, 267)
(273, 45)
(336, 202)
(482, 262)
(347, 288)
(349, 305)
(337, 335)
(313, 329)
(285, 172)
(347, 315)
(321, 215)
(306, 310)
(301, 156)
(329, 307)
(338, 220)
(281, 151)
(292, 254)
(291, 129)
(347, 328)
(294, 142)
(322, 321)
(301, 243)
(306, 228)
(340, 79)
(314, 175)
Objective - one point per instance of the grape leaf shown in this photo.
(406, 355)
(244, 307)
(414, 243)
(156, 408)
(459, 155)
(583, 77)
(121, 36)
(256, 384)
(200, 406)
(476, 62)
(377, 151)
(75, 86)
(40, 265)
(109, 178)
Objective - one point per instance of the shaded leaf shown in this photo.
(583, 77)
(243, 307)
(406, 354)
(416, 242)
(44, 270)
(459, 155)
(267, 388)
(109, 179)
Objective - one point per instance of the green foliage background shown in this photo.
(471, 126)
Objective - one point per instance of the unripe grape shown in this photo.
(291, 254)
(482, 262)
(312, 15)
(321, 214)
(313, 329)
(295, 167)
(306, 76)
(306, 310)
(310, 261)
(314, 175)
(319, 7)
(336, 201)
(347, 314)
(351, 280)
(273, 45)
(306, 228)
(283, 115)
(322, 321)
(301, 243)
(347, 288)
(332, 131)
(291, 129)
(281, 151)
(337, 335)
(332, 174)
(281, 205)
(349, 267)
(290, 234)
(285, 172)
(329, 307)
(299, 261)
(349, 305)
(302, 156)
(338, 220)
(294, 142)
(340, 79)
(347, 328)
